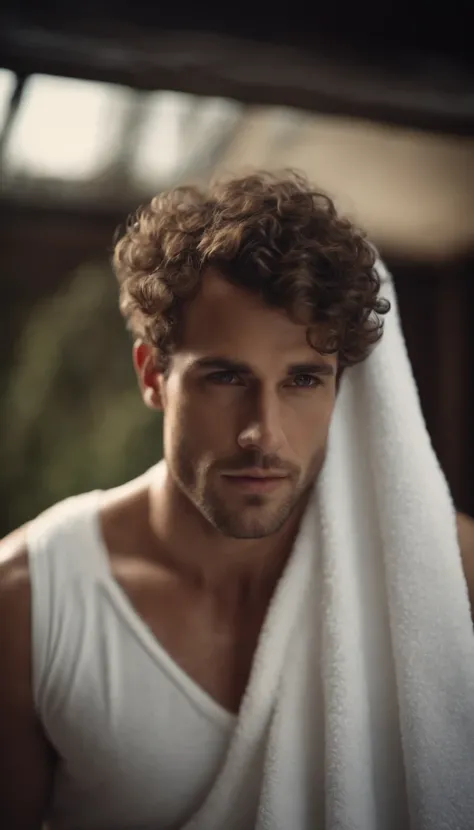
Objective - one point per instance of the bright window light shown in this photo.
(161, 142)
(66, 129)
(177, 132)
(213, 120)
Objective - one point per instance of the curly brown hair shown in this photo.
(275, 236)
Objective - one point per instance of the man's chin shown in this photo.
(252, 522)
(248, 532)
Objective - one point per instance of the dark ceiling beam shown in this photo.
(412, 92)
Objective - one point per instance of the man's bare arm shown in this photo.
(26, 760)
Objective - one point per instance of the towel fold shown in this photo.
(359, 713)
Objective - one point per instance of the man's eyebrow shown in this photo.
(311, 369)
(227, 365)
(222, 363)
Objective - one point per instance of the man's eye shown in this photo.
(223, 378)
(306, 381)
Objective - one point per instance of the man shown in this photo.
(129, 619)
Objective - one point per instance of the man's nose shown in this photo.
(263, 430)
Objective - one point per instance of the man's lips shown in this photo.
(256, 483)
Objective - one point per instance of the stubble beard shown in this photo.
(247, 516)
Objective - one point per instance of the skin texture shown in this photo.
(219, 420)
(197, 555)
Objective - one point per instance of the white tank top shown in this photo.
(140, 744)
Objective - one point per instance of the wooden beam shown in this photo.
(322, 78)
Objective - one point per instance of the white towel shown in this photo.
(359, 713)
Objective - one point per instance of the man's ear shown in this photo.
(150, 379)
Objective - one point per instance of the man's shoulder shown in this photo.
(15, 613)
(15, 590)
(13, 564)
(45, 532)
(117, 507)
(15, 547)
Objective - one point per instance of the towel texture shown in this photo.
(359, 713)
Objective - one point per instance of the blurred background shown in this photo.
(102, 107)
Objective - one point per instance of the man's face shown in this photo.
(246, 397)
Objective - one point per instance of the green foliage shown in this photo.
(72, 418)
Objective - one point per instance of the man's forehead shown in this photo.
(217, 287)
(216, 291)
(222, 311)
(227, 322)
